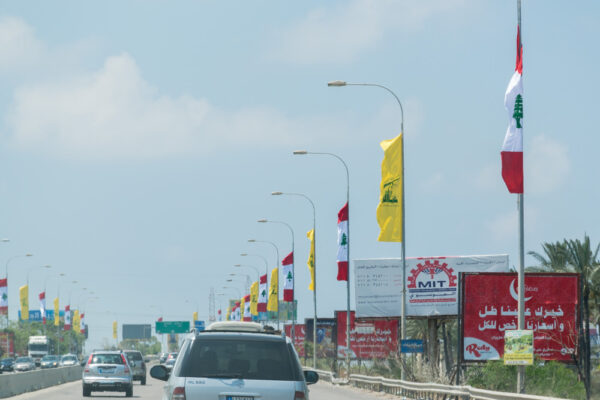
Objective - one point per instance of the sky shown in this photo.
(140, 141)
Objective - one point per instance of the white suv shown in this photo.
(236, 361)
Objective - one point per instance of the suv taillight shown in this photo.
(299, 395)
(178, 393)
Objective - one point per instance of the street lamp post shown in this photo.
(314, 277)
(403, 248)
(304, 152)
(293, 276)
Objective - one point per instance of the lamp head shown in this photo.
(336, 83)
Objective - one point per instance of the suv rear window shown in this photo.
(239, 358)
(107, 359)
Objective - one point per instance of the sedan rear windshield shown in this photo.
(239, 358)
(107, 359)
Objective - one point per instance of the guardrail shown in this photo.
(22, 382)
(425, 391)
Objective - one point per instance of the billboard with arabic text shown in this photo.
(489, 308)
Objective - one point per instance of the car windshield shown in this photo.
(239, 358)
(134, 356)
(107, 359)
(23, 359)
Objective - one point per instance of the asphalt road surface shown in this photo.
(153, 391)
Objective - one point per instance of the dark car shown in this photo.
(6, 364)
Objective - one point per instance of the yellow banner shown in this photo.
(195, 316)
(254, 298)
(56, 312)
(389, 210)
(24, 298)
(76, 321)
(311, 259)
(273, 302)
(114, 329)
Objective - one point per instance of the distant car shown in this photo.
(107, 371)
(68, 359)
(6, 364)
(137, 364)
(49, 362)
(24, 364)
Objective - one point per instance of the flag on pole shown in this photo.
(114, 329)
(4, 296)
(288, 274)
(195, 316)
(389, 210)
(512, 148)
(67, 325)
(342, 255)
(76, 321)
(254, 298)
(273, 304)
(24, 297)
(262, 294)
(42, 297)
(82, 323)
(56, 312)
(311, 259)
(247, 313)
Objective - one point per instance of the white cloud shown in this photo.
(547, 165)
(340, 33)
(19, 47)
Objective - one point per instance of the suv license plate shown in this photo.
(239, 398)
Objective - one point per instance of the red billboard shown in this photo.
(489, 307)
(299, 337)
(375, 338)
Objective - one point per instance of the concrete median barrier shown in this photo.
(22, 382)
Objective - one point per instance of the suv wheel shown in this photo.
(129, 392)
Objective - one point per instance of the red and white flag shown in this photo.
(262, 294)
(342, 255)
(82, 323)
(247, 313)
(288, 277)
(3, 296)
(43, 307)
(67, 326)
(512, 148)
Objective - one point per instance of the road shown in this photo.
(153, 391)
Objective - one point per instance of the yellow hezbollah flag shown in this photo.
(195, 316)
(272, 304)
(254, 298)
(114, 329)
(76, 321)
(311, 258)
(56, 312)
(24, 297)
(389, 210)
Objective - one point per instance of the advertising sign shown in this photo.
(299, 337)
(490, 308)
(137, 331)
(172, 326)
(368, 338)
(326, 336)
(431, 284)
(411, 346)
(518, 347)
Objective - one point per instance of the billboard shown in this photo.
(326, 336)
(299, 336)
(369, 339)
(137, 331)
(551, 306)
(431, 284)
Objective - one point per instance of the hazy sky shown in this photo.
(140, 140)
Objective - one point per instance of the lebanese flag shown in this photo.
(288, 277)
(342, 255)
(82, 323)
(3, 296)
(67, 326)
(247, 314)
(43, 307)
(262, 294)
(512, 148)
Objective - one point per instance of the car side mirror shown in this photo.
(159, 372)
(311, 377)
